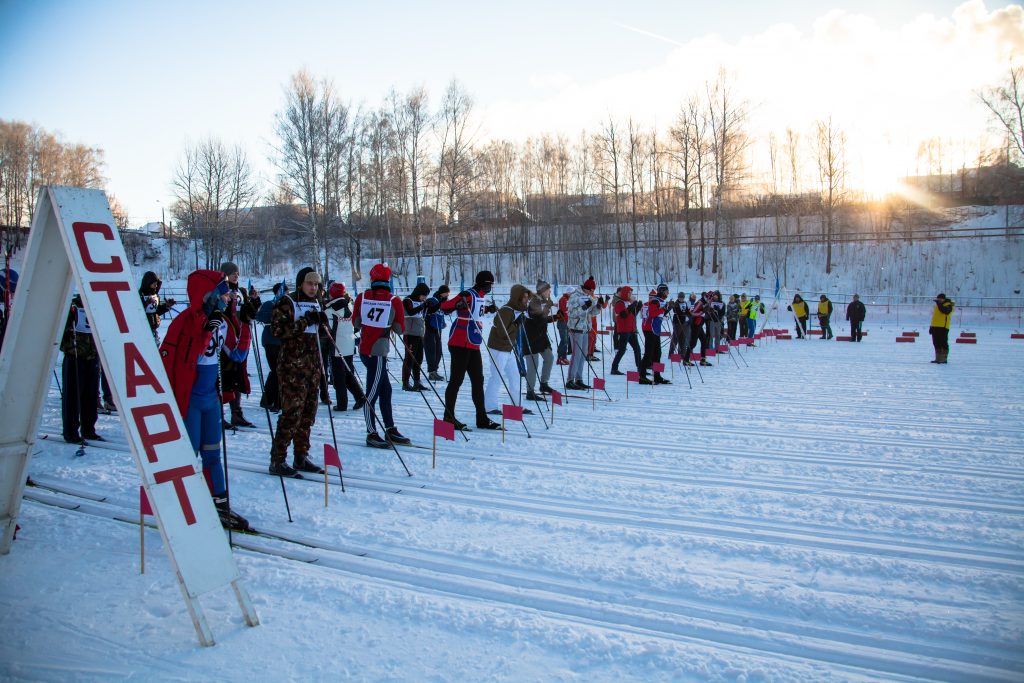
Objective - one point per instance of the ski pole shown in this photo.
(494, 364)
(374, 420)
(266, 410)
(519, 358)
(57, 380)
(429, 384)
(330, 411)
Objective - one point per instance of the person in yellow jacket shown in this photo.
(825, 316)
(744, 314)
(942, 313)
(800, 312)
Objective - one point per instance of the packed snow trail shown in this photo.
(807, 517)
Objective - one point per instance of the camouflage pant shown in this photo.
(299, 387)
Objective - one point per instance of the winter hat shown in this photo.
(940, 296)
(279, 288)
(421, 288)
(681, 295)
(590, 283)
(625, 292)
(823, 297)
(337, 290)
(569, 291)
(484, 278)
(380, 276)
(443, 289)
(662, 288)
(228, 268)
(757, 297)
(542, 285)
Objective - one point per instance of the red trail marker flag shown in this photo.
(144, 509)
(445, 430)
(631, 376)
(511, 413)
(331, 458)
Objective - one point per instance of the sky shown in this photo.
(144, 79)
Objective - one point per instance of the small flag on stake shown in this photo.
(598, 383)
(445, 430)
(675, 357)
(511, 412)
(556, 398)
(694, 356)
(331, 458)
(710, 352)
(632, 376)
(734, 342)
(723, 348)
(658, 367)
(144, 509)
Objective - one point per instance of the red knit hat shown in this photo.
(590, 284)
(380, 273)
(337, 290)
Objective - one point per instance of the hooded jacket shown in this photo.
(624, 311)
(186, 337)
(942, 312)
(581, 308)
(510, 317)
(416, 311)
(151, 302)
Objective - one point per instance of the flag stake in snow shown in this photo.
(331, 457)
(445, 430)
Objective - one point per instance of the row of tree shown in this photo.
(30, 157)
(418, 184)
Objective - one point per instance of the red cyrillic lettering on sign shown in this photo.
(112, 288)
(133, 359)
(150, 440)
(177, 475)
(114, 265)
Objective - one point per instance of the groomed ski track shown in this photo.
(832, 511)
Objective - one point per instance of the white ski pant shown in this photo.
(580, 344)
(503, 365)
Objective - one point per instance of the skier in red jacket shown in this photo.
(191, 356)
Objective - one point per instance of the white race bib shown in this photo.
(211, 354)
(82, 322)
(300, 310)
(375, 313)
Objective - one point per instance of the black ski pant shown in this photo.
(652, 354)
(696, 333)
(743, 327)
(271, 391)
(940, 340)
(801, 327)
(345, 381)
(622, 340)
(81, 379)
(465, 361)
(413, 363)
(826, 327)
(432, 348)
(732, 329)
(855, 331)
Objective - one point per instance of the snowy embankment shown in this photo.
(815, 510)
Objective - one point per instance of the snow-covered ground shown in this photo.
(812, 511)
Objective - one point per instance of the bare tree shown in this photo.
(608, 171)
(830, 153)
(215, 190)
(311, 130)
(1006, 102)
(456, 170)
(727, 116)
(412, 121)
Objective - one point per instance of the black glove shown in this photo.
(213, 321)
(170, 302)
(337, 304)
(587, 303)
(493, 308)
(312, 317)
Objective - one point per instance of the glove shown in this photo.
(170, 302)
(493, 308)
(312, 317)
(586, 304)
(213, 321)
(789, 308)
(337, 304)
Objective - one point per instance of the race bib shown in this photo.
(212, 351)
(82, 322)
(375, 313)
(300, 310)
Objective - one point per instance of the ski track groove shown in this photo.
(652, 616)
(752, 532)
